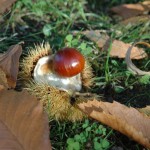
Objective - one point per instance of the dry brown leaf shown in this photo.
(9, 63)
(23, 124)
(131, 10)
(136, 20)
(145, 110)
(118, 48)
(129, 63)
(5, 5)
(1, 87)
(128, 121)
(3, 80)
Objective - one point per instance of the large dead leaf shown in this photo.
(5, 5)
(9, 63)
(128, 121)
(118, 48)
(131, 10)
(23, 124)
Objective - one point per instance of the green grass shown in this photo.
(53, 21)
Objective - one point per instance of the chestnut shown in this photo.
(68, 62)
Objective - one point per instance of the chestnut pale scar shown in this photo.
(47, 67)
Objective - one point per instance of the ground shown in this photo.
(34, 23)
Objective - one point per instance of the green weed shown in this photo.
(84, 47)
(92, 136)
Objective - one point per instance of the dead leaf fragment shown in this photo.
(5, 5)
(3, 80)
(118, 48)
(1, 87)
(135, 20)
(131, 10)
(128, 121)
(145, 110)
(23, 124)
(129, 63)
(9, 63)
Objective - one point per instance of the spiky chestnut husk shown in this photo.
(56, 102)
(34, 54)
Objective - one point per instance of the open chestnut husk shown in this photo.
(48, 76)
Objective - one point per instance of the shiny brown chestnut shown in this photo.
(68, 62)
